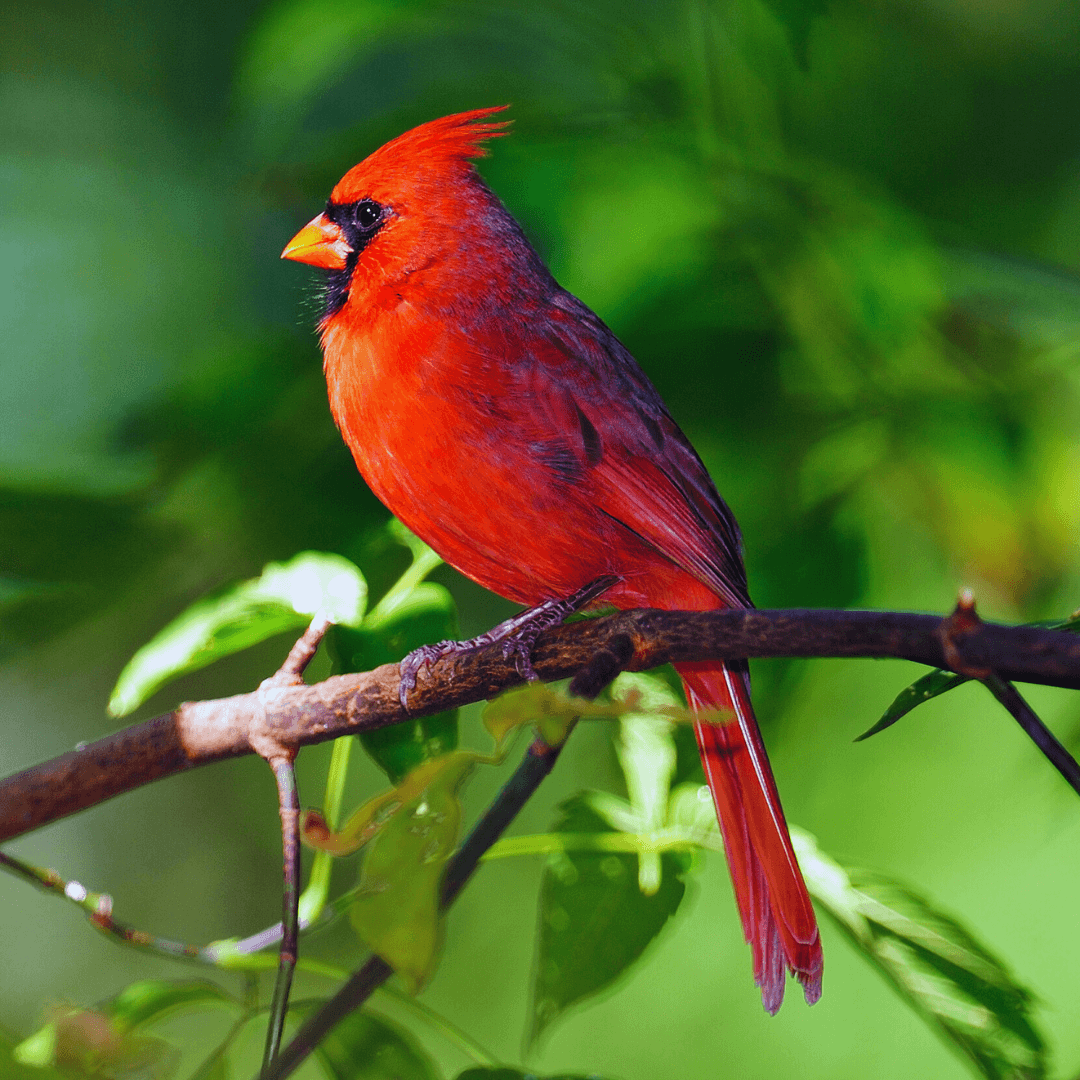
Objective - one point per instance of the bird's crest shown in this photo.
(438, 144)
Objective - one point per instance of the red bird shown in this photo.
(507, 426)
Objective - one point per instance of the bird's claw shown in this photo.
(416, 661)
(519, 646)
(518, 636)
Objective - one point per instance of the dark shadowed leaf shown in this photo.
(284, 597)
(595, 922)
(934, 963)
(427, 614)
(366, 1047)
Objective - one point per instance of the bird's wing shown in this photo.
(639, 465)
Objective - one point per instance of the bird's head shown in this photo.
(412, 204)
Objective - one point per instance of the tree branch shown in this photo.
(538, 762)
(202, 732)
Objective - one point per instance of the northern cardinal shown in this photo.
(503, 423)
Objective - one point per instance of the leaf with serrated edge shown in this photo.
(285, 597)
(947, 976)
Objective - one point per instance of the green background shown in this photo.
(842, 238)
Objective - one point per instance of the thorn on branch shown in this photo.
(963, 621)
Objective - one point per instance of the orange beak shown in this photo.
(319, 243)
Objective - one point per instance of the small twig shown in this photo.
(538, 762)
(1035, 729)
(302, 653)
(280, 758)
(289, 803)
(99, 908)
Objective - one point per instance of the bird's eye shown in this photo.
(368, 214)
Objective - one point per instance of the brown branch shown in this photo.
(202, 732)
(538, 762)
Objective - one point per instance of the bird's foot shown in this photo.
(517, 634)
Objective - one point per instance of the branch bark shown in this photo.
(198, 733)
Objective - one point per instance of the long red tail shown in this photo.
(777, 917)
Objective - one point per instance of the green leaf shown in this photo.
(366, 1047)
(426, 614)
(935, 964)
(553, 712)
(922, 690)
(152, 1000)
(1071, 625)
(504, 1073)
(396, 909)
(595, 922)
(645, 747)
(218, 1070)
(940, 681)
(284, 597)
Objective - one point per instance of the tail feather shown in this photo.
(777, 916)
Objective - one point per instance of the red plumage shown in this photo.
(507, 426)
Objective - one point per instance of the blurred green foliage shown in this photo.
(843, 239)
